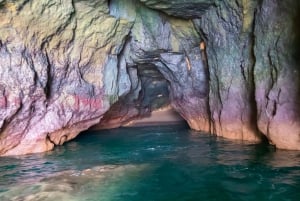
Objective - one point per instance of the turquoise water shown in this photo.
(162, 163)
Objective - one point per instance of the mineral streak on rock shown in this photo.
(230, 68)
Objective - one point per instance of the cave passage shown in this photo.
(147, 104)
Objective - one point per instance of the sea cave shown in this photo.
(149, 100)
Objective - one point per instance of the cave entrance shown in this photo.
(147, 103)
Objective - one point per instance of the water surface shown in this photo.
(161, 163)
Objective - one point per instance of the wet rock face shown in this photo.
(228, 67)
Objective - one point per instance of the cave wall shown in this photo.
(277, 71)
(230, 68)
(228, 32)
(58, 65)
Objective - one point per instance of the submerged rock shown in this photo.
(86, 184)
(230, 68)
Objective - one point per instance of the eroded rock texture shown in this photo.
(227, 67)
(163, 49)
(277, 71)
(252, 55)
(228, 32)
(58, 66)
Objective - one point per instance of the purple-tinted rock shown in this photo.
(53, 58)
(277, 72)
(230, 68)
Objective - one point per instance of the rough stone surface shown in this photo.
(163, 49)
(228, 33)
(277, 71)
(58, 61)
(227, 67)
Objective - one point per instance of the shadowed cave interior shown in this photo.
(147, 104)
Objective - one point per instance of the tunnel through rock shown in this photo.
(166, 68)
(147, 103)
(212, 90)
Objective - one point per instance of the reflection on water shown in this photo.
(152, 163)
(282, 158)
